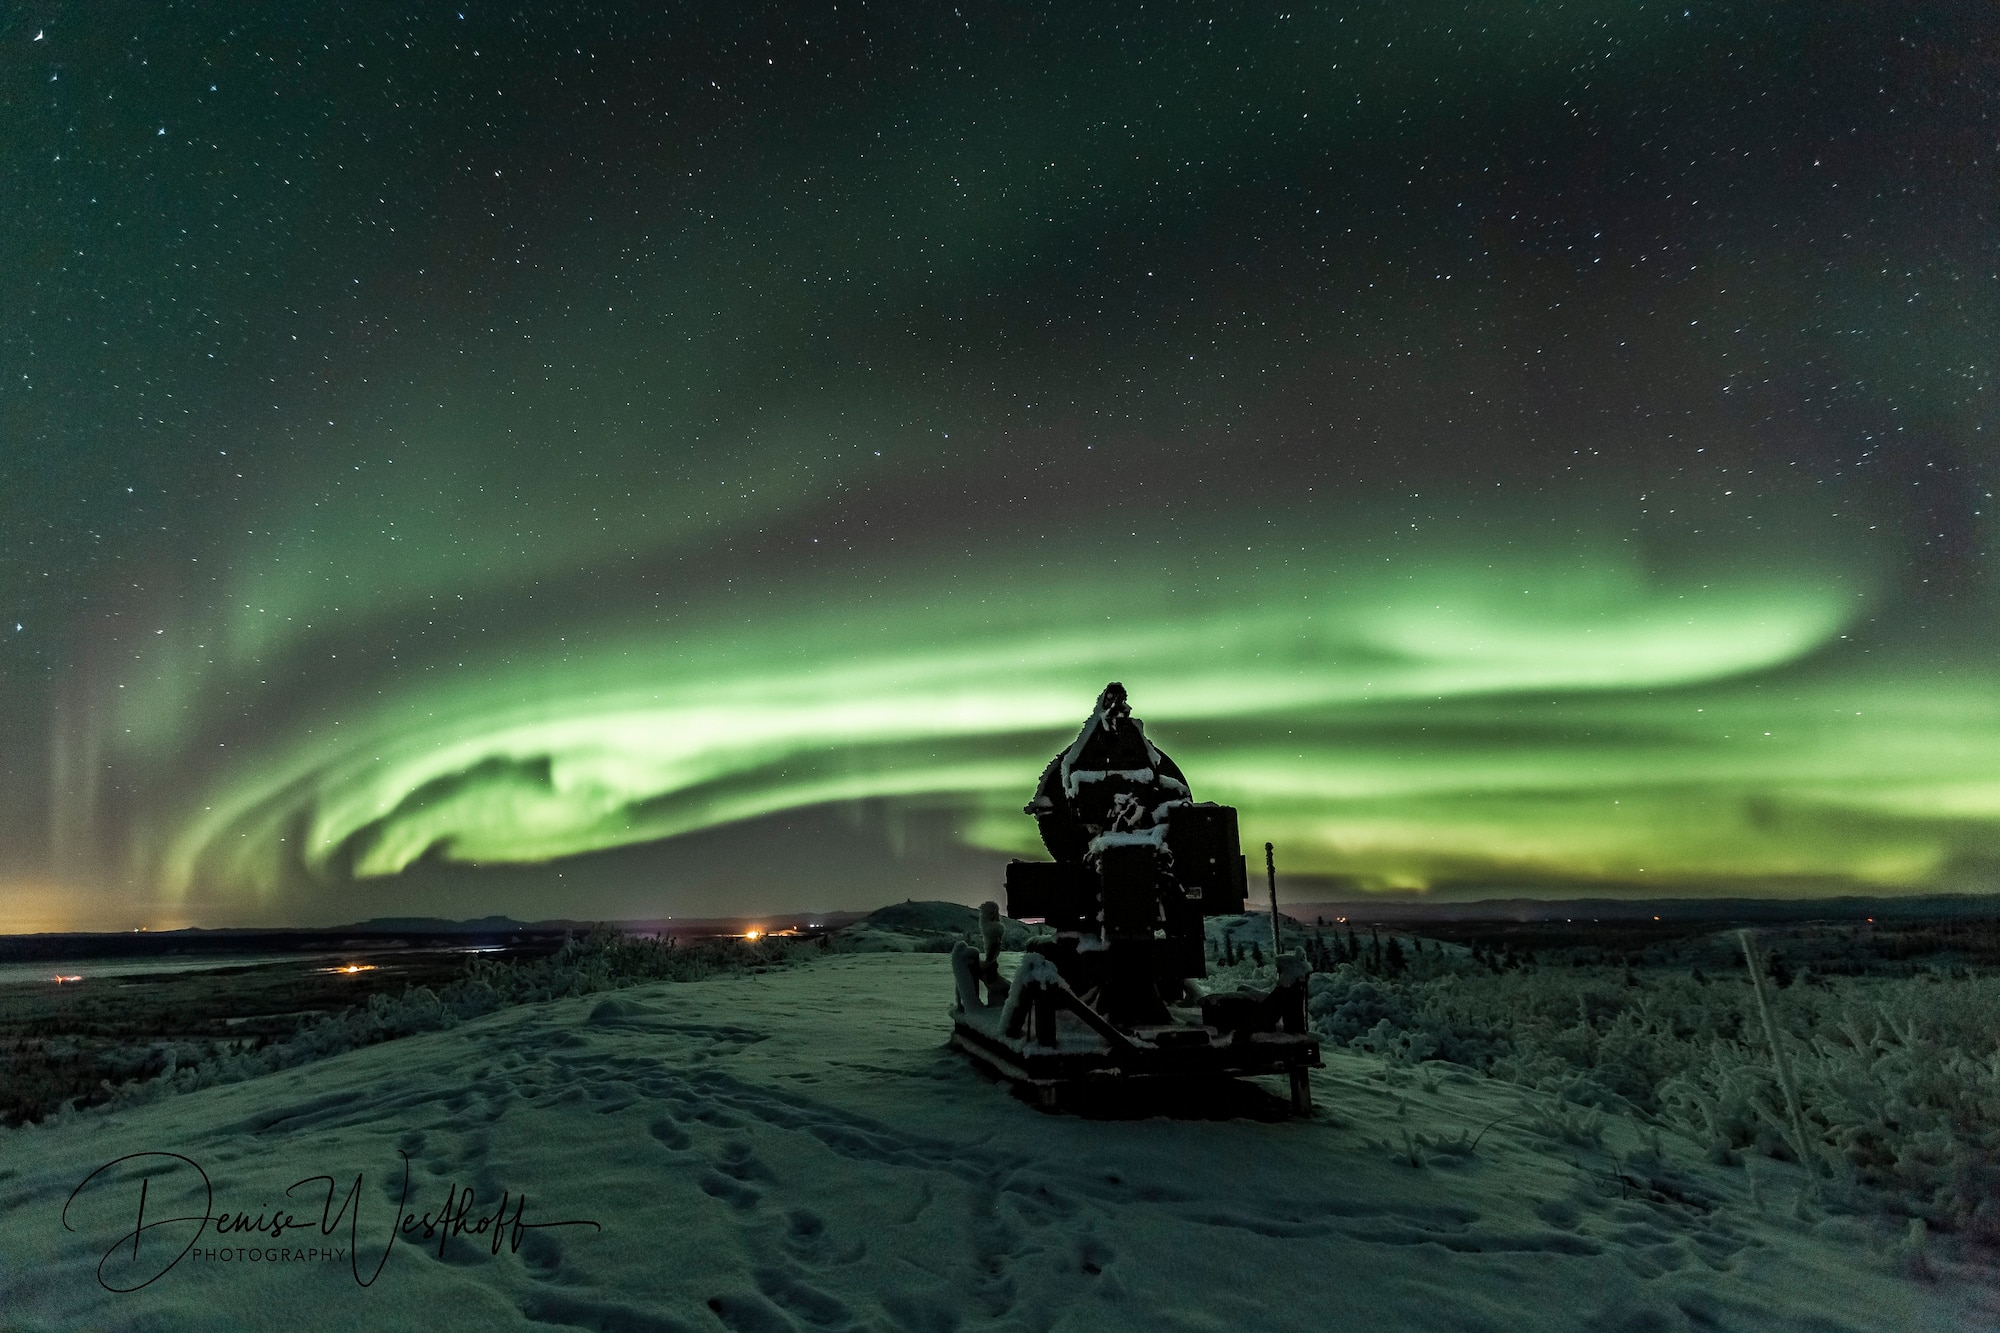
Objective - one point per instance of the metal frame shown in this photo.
(1177, 1050)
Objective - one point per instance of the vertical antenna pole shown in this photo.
(1271, 876)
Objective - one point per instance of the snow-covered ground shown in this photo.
(797, 1150)
(95, 968)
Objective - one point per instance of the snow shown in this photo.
(1154, 837)
(11, 973)
(1074, 780)
(1036, 970)
(796, 1149)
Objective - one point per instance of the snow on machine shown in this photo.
(1116, 993)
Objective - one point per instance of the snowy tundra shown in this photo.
(797, 1150)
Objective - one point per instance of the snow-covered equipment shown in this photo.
(1117, 993)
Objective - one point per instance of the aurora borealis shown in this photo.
(626, 461)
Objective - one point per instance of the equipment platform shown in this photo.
(1012, 1039)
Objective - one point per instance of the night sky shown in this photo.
(588, 460)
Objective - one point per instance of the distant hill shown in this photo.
(432, 925)
(926, 927)
(951, 918)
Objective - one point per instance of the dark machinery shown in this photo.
(1116, 994)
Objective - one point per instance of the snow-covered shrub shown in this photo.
(1558, 1120)
(1898, 1079)
(1899, 1084)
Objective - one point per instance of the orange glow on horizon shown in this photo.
(45, 907)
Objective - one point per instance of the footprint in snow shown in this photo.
(732, 1192)
(669, 1133)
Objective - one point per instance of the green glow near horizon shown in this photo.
(1397, 725)
(1857, 781)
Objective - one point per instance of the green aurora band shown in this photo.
(1477, 716)
(1504, 451)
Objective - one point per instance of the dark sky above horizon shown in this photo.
(628, 460)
